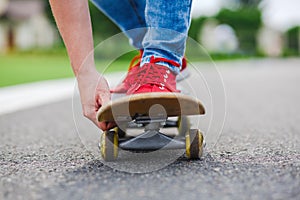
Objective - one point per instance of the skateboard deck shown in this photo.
(153, 105)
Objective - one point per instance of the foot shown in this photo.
(152, 77)
(131, 76)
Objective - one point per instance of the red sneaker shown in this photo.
(132, 72)
(152, 77)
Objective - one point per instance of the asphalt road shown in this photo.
(256, 156)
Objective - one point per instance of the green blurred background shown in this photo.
(32, 50)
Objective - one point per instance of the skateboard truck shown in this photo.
(151, 139)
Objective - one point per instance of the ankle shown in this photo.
(171, 64)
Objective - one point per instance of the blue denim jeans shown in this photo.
(159, 27)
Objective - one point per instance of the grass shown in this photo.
(18, 68)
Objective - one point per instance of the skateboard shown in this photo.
(149, 113)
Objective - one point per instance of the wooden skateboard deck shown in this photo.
(156, 105)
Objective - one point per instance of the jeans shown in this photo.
(159, 27)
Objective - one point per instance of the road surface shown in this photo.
(256, 156)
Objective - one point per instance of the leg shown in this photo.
(168, 26)
(168, 23)
(127, 15)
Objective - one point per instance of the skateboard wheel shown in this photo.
(120, 132)
(183, 125)
(194, 144)
(109, 144)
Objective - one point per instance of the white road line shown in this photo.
(20, 97)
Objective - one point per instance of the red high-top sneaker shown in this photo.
(152, 77)
(132, 72)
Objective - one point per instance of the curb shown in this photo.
(29, 95)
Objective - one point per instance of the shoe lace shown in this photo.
(134, 59)
(153, 73)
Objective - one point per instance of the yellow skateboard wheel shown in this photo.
(194, 144)
(109, 144)
(120, 131)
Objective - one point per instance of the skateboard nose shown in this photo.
(157, 111)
